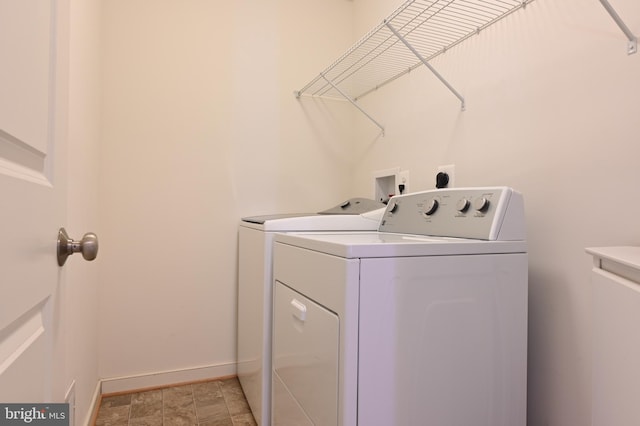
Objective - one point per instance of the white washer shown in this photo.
(423, 322)
(255, 287)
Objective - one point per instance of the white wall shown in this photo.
(552, 110)
(81, 289)
(200, 128)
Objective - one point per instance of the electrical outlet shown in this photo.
(450, 170)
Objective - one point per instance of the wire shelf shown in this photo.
(425, 29)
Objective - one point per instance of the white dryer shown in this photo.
(423, 322)
(255, 287)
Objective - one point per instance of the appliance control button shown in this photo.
(431, 207)
(463, 205)
(481, 204)
(392, 207)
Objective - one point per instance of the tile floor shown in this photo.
(213, 403)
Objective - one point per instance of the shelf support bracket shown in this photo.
(424, 61)
(632, 45)
(354, 103)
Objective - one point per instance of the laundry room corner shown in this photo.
(200, 128)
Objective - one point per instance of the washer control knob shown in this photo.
(481, 204)
(392, 207)
(463, 205)
(431, 207)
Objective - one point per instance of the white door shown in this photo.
(33, 114)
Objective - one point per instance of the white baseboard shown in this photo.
(165, 378)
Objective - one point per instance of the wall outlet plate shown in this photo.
(450, 170)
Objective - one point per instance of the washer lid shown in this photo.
(385, 244)
(314, 222)
(355, 206)
(354, 214)
(262, 219)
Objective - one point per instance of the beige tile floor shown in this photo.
(213, 403)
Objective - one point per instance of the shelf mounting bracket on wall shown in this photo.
(353, 102)
(424, 61)
(632, 44)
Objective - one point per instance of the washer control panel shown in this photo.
(477, 213)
